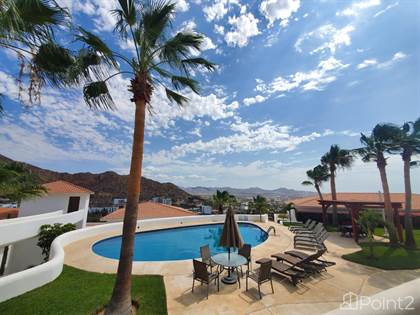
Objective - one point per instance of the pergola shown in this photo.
(356, 206)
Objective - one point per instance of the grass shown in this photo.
(386, 257)
(80, 292)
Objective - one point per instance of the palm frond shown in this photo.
(194, 63)
(96, 45)
(180, 47)
(175, 97)
(1, 105)
(307, 183)
(51, 62)
(126, 16)
(180, 82)
(155, 19)
(97, 96)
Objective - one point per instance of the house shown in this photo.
(308, 207)
(149, 210)
(61, 195)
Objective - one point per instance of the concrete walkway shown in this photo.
(315, 295)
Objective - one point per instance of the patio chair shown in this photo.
(310, 227)
(311, 237)
(316, 242)
(206, 257)
(261, 275)
(245, 251)
(318, 227)
(202, 275)
(296, 226)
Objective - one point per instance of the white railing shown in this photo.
(29, 279)
(17, 229)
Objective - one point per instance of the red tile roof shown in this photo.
(8, 213)
(62, 186)
(149, 210)
(310, 204)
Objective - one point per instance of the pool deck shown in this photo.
(315, 295)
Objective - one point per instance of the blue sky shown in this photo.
(293, 78)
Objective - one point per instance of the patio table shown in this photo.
(230, 261)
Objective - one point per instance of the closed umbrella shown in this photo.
(231, 237)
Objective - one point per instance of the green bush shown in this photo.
(48, 233)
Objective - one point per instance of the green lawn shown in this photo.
(386, 257)
(380, 232)
(80, 292)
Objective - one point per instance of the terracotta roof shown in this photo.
(149, 210)
(8, 213)
(62, 186)
(310, 204)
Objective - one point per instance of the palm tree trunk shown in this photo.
(324, 212)
(408, 220)
(121, 295)
(333, 197)
(389, 215)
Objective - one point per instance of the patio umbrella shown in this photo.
(231, 236)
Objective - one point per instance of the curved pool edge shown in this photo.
(171, 228)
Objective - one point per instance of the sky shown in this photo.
(293, 77)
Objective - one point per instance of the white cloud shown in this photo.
(395, 59)
(216, 11)
(243, 27)
(388, 7)
(190, 26)
(367, 63)
(325, 38)
(316, 79)
(181, 5)
(219, 29)
(279, 10)
(357, 6)
(253, 100)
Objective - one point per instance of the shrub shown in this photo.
(369, 220)
(48, 233)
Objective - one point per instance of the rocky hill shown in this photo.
(109, 185)
(246, 193)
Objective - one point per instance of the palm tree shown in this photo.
(18, 183)
(408, 144)
(221, 199)
(336, 158)
(260, 204)
(27, 28)
(161, 59)
(317, 176)
(374, 149)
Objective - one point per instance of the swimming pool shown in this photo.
(177, 243)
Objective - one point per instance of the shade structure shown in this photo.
(231, 236)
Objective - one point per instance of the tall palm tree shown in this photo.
(27, 28)
(161, 59)
(260, 204)
(317, 176)
(336, 158)
(374, 149)
(221, 199)
(408, 144)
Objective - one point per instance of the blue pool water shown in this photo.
(177, 243)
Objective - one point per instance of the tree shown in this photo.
(161, 60)
(260, 204)
(27, 28)
(370, 220)
(407, 143)
(336, 158)
(317, 176)
(18, 183)
(374, 149)
(48, 233)
(221, 199)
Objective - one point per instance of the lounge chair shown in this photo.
(245, 251)
(294, 273)
(316, 242)
(310, 227)
(318, 227)
(311, 237)
(318, 260)
(261, 275)
(307, 263)
(202, 275)
(206, 257)
(299, 225)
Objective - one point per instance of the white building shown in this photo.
(63, 203)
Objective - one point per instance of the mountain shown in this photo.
(109, 185)
(279, 193)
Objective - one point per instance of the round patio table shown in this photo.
(231, 262)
